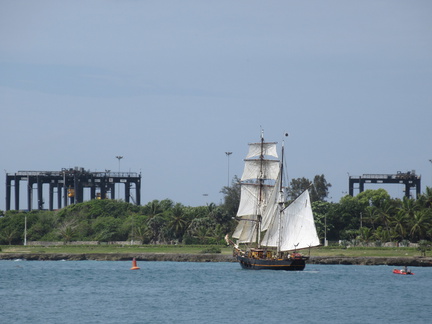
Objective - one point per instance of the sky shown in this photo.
(173, 85)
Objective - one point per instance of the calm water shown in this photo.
(172, 292)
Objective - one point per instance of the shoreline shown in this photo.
(207, 257)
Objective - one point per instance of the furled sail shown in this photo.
(297, 227)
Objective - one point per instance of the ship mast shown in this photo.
(281, 196)
(261, 185)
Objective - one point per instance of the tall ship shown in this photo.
(271, 231)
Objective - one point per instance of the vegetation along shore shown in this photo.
(196, 253)
(369, 228)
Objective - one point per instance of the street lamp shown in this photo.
(118, 157)
(430, 160)
(325, 230)
(228, 155)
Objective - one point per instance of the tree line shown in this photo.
(370, 217)
(374, 217)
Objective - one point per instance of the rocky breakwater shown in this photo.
(177, 257)
(391, 261)
(207, 257)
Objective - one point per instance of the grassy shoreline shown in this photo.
(200, 253)
(199, 249)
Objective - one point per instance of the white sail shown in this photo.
(260, 169)
(245, 231)
(248, 210)
(297, 228)
(258, 149)
(250, 199)
(272, 207)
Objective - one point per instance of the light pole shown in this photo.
(118, 157)
(25, 229)
(430, 160)
(228, 155)
(325, 230)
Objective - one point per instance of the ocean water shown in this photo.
(187, 292)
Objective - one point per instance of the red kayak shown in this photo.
(402, 272)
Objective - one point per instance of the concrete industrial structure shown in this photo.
(409, 179)
(69, 186)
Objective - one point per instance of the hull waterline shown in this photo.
(266, 264)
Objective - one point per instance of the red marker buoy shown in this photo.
(134, 265)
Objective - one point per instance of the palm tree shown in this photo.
(420, 224)
(153, 208)
(399, 223)
(156, 227)
(425, 200)
(201, 228)
(409, 206)
(8, 234)
(67, 230)
(177, 223)
(385, 212)
(203, 234)
(370, 215)
(382, 235)
(142, 233)
(366, 234)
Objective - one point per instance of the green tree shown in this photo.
(382, 234)
(366, 234)
(224, 222)
(420, 224)
(320, 188)
(153, 208)
(384, 214)
(67, 230)
(369, 215)
(9, 235)
(297, 186)
(44, 223)
(424, 246)
(177, 222)
(408, 207)
(107, 229)
(166, 205)
(322, 218)
(231, 197)
(156, 226)
(201, 229)
(350, 235)
(345, 215)
(373, 197)
(12, 226)
(399, 223)
(141, 231)
(425, 200)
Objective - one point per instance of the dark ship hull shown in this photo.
(292, 264)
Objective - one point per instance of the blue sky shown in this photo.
(173, 85)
